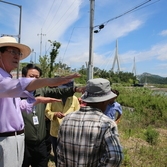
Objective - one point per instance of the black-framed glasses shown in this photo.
(14, 53)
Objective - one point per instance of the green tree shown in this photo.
(44, 65)
(53, 54)
(83, 70)
(104, 74)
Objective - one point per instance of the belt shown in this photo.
(6, 134)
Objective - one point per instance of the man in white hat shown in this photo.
(11, 121)
(88, 137)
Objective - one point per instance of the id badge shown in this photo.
(35, 120)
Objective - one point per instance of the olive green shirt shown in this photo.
(38, 132)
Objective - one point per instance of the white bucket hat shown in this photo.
(10, 41)
(97, 90)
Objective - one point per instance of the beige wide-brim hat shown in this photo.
(98, 90)
(10, 41)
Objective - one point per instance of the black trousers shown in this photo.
(48, 137)
(35, 154)
(54, 144)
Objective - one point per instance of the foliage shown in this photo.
(47, 62)
(81, 80)
(44, 65)
(150, 106)
(152, 79)
(151, 135)
(126, 157)
(121, 77)
(53, 55)
(144, 114)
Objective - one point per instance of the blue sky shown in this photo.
(141, 34)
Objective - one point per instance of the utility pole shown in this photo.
(41, 41)
(32, 53)
(19, 35)
(31, 61)
(90, 63)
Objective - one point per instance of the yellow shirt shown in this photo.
(71, 105)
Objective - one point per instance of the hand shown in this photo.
(80, 89)
(72, 76)
(117, 121)
(62, 80)
(58, 115)
(45, 100)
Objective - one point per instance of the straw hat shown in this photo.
(97, 90)
(10, 41)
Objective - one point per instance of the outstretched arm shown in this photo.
(45, 100)
(62, 92)
(42, 82)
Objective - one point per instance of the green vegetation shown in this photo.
(151, 136)
(142, 128)
(150, 78)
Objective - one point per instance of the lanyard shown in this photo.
(33, 110)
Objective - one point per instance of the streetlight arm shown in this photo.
(19, 35)
(11, 3)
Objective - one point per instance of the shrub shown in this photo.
(151, 136)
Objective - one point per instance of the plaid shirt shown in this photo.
(88, 138)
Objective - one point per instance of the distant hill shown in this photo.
(151, 79)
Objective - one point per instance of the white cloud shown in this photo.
(68, 23)
(111, 32)
(158, 51)
(163, 33)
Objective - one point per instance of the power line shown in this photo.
(101, 26)
(69, 41)
(54, 14)
(49, 12)
(62, 16)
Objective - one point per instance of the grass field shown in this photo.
(142, 129)
(139, 153)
